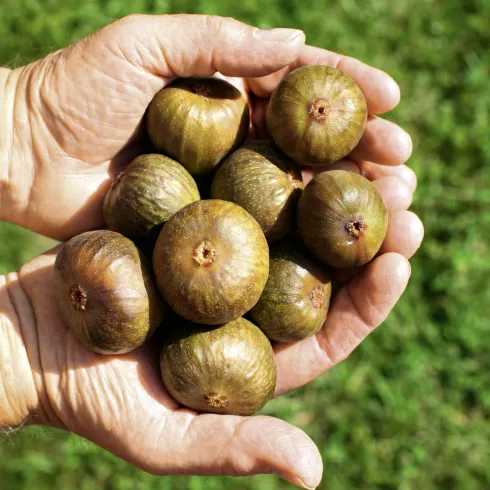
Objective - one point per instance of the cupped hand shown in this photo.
(85, 106)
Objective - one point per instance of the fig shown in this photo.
(146, 194)
(317, 115)
(263, 180)
(295, 301)
(105, 292)
(342, 218)
(198, 121)
(211, 262)
(229, 369)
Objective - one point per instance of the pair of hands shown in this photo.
(77, 122)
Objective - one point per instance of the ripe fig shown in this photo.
(265, 182)
(146, 194)
(317, 115)
(296, 298)
(342, 218)
(228, 369)
(198, 121)
(211, 262)
(105, 292)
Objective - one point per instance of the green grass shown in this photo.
(411, 408)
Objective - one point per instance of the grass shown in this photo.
(411, 407)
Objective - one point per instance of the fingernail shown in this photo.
(279, 35)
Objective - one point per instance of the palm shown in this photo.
(120, 403)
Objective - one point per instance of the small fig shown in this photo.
(211, 262)
(295, 301)
(105, 292)
(342, 218)
(228, 369)
(265, 182)
(317, 115)
(198, 121)
(146, 194)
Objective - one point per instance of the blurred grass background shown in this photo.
(411, 407)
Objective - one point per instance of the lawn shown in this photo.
(411, 407)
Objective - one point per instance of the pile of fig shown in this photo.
(223, 279)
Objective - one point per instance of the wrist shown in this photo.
(19, 382)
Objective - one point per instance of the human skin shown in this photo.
(68, 124)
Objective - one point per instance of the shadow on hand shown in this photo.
(66, 365)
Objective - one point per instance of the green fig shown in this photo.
(211, 262)
(265, 182)
(106, 293)
(342, 218)
(228, 369)
(295, 301)
(317, 115)
(198, 121)
(146, 194)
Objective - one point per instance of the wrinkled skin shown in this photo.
(81, 138)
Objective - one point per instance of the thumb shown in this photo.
(201, 45)
(229, 445)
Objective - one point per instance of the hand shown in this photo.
(85, 109)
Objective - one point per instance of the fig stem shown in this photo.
(205, 253)
(201, 90)
(294, 179)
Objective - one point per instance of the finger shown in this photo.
(405, 234)
(383, 142)
(357, 309)
(230, 445)
(201, 45)
(311, 172)
(373, 171)
(397, 195)
(381, 91)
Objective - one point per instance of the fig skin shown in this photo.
(198, 121)
(105, 292)
(211, 262)
(229, 369)
(317, 115)
(265, 182)
(342, 218)
(296, 298)
(146, 194)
